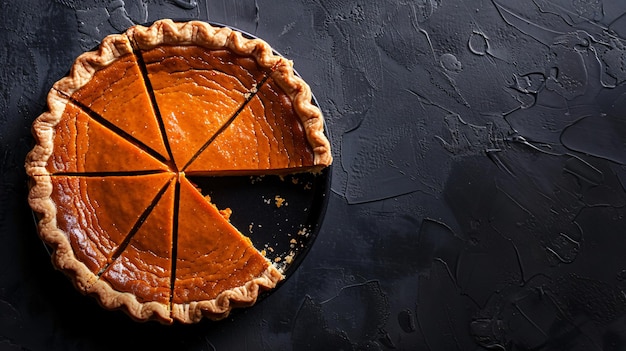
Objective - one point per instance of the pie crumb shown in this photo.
(254, 179)
(280, 201)
(303, 232)
(289, 257)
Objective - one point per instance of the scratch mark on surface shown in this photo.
(524, 25)
(514, 200)
(530, 320)
(518, 257)
(450, 321)
(187, 4)
(559, 257)
(493, 156)
(430, 43)
(425, 101)
(421, 330)
(542, 9)
(448, 271)
(257, 16)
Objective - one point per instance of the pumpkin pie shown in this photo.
(123, 131)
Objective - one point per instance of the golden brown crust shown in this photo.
(220, 307)
(114, 46)
(43, 132)
(140, 311)
(168, 32)
(300, 93)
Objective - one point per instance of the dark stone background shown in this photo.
(478, 194)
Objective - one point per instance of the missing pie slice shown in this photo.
(108, 171)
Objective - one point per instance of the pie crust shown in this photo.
(73, 150)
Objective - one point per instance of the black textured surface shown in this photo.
(478, 194)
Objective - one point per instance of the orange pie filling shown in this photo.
(267, 135)
(127, 124)
(189, 81)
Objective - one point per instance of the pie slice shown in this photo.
(129, 109)
(197, 92)
(216, 266)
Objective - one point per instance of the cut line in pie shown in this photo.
(125, 156)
